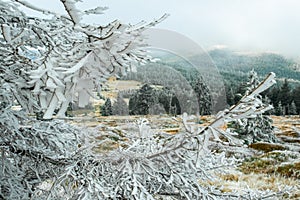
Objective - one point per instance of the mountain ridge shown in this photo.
(228, 61)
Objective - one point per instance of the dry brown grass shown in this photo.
(266, 147)
(238, 182)
(272, 163)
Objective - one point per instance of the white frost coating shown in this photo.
(248, 107)
(51, 107)
(79, 65)
(82, 87)
(73, 12)
(63, 54)
(98, 10)
(50, 84)
(83, 98)
(268, 82)
(6, 32)
(61, 97)
(33, 7)
(43, 101)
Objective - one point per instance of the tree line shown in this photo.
(284, 97)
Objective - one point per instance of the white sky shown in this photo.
(246, 25)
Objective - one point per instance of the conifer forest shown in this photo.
(114, 110)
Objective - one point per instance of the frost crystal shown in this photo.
(45, 65)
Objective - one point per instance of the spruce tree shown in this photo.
(255, 129)
(140, 102)
(106, 109)
(203, 95)
(284, 96)
(273, 95)
(169, 101)
(293, 109)
(279, 109)
(296, 98)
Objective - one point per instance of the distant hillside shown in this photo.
(175, 71)
(231, 63)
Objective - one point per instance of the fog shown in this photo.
(243, 25)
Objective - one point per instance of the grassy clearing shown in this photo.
(281, 163)
(239, 182)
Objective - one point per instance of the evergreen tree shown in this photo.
(293, 109)
(267, 101)
(157, 109)
(230, 96)
(255, 129)
(140, 102)
(284, 96)
(203, 95)
(279, 109)
(120, 107)
(169, 101)
(106, 109)
(296, 98)
(273, 95)
(245, 87)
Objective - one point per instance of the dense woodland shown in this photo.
(284, 96)
(49, 62)
(234, 68)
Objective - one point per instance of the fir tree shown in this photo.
(203, 95)
(230, 96)
(273, 95)
(296, 98)
(140, 102)
(255, 129)
(169, 101)
(106, 109)
(293, 109)
(279, 109)
(285, 96)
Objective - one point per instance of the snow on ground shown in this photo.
(271, 171)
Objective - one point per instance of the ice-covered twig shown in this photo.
(247, 107)
(42, 10)
(95, 11)
(72, 11)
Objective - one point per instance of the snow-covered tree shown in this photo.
(168, 101)
(106, 109)
(62, 59)
(43, 64)
(258, 128)
(293, 109)
(148, 165)
(46, 64)
(203, 95)
(279, 109)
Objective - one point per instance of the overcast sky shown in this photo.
(246, 25)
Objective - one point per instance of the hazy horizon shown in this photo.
(241, 25)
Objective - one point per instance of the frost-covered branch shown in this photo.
(66, 60)
(72, 11)
(249, 106)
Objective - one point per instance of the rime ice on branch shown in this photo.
(65, 59)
